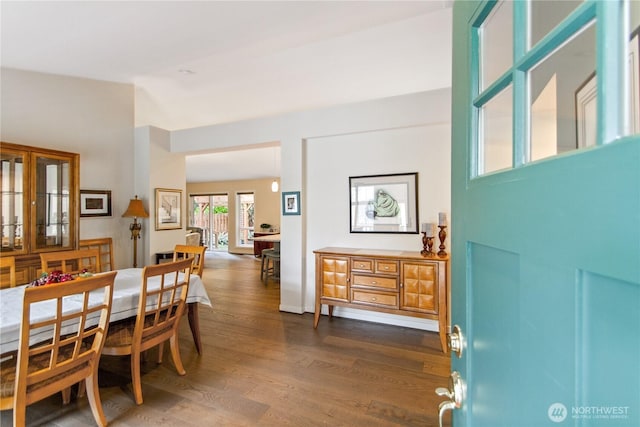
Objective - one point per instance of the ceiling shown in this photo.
(198, 63)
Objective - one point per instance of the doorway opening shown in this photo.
(210, 213)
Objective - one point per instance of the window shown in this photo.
(245, 220)
(540, 79)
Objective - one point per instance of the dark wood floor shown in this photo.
(261, 367)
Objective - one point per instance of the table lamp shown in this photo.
(135, 210)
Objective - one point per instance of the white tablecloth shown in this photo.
(125, 303)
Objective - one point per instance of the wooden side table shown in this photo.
(164, 256)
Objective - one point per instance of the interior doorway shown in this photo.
(210, 212)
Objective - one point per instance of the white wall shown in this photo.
(89, 117)
(95, 119)
(411, 129)
(158, 168)
(332, 160)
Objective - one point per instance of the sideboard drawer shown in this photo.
(375, 281)
(386, 267)
(361, 264)
(377, 298)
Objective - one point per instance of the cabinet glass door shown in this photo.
(53, 201)
(12, 210)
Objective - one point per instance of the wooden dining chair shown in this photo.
(70, 356)
(7, 272)
(163, 295)
(197, 254)
(72, 262)
(189, 251)
(105, 246)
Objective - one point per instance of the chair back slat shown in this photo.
(195, 252)
(72, 262)
(105, 246)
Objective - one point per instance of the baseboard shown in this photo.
(291, 309)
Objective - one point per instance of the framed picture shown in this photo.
(586, 97)
(95, 203)
(384, 203)
(168, 209)
(290, 203)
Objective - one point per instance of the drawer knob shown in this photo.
(373, 298)
(386, 267)
(374, 282)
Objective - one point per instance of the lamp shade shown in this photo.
(135, 209)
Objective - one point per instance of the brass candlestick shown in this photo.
(427, 245)
(442, 235)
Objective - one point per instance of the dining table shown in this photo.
(126, 294)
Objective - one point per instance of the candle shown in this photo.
(442, 218)
(427, 228)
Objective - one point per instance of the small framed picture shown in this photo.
(168, 209)
(95, 203)
(290, 203)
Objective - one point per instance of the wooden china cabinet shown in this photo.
(40, 205)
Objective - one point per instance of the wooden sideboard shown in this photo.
(396, 282)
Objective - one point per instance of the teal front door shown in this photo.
(545, 214)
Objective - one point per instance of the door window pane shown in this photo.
(496, 43)
(210, 212)
(563, 98)
(546, 14)
(220, 221)
(496, 148)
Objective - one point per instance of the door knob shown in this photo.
(455, 341)
(455, 394)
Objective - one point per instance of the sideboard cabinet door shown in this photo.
(420, 287)
(335, 277)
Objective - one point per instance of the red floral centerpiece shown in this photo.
(55, 276)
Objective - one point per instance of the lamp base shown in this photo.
(135, 228)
